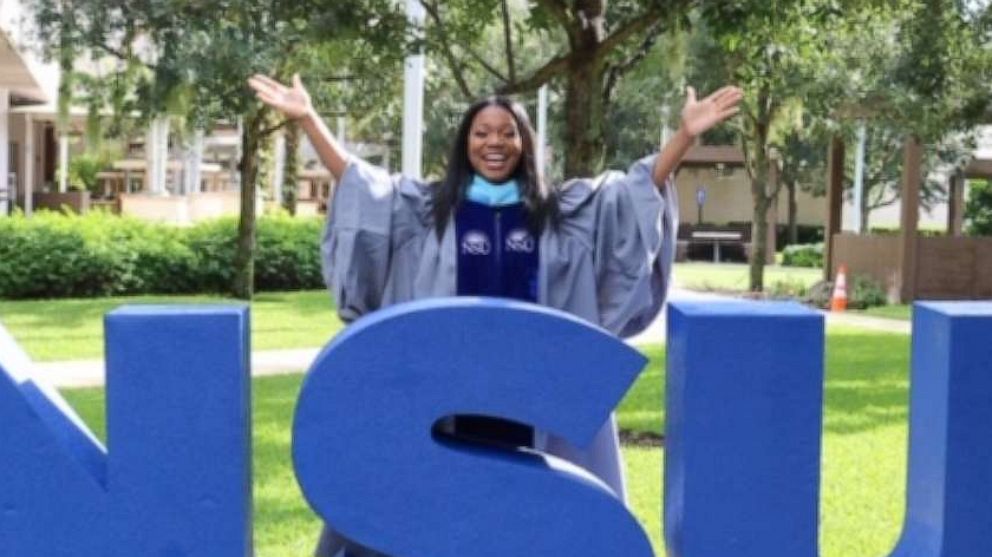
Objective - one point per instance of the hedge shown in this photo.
(53, 255)
(803, 255)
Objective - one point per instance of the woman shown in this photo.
(601, 249)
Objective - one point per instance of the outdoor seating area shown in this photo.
(712, 242)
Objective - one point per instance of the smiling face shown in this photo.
(494, 144)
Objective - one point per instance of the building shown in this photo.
(29, 148)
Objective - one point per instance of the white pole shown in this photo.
(151, 159)
(4, 149)
(666, 132)
(28, 164)
(859, 172)
(342, 134)
(279, 173)
(162, 168)
(542, 129)
(63, 163)
(193, 161)
(413, 99)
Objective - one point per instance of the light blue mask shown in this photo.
(494, 195)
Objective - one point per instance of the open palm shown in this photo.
(699, 116)
(293, 101)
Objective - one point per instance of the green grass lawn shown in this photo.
(51, 330)
(735, 277)
(864, 449)
(895, 311)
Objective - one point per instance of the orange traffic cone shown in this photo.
(838, 301)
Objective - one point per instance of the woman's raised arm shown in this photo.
(697, 117)
(295, 103)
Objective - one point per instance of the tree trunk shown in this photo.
(585, 121)
(759, 220)
(290, 181)
(865, 213)
(793, 214)
(244, 259)
(586, 93)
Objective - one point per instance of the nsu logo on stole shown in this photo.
(520, 240)
(476, 243)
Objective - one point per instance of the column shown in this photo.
(151, 139)
(955, 205)
(64, 162)
(413, 99)
(835, 202)
(542, 129)
(163, 155)
(29, 160)
(910, 212)
(859, 172)
(193, 161)
(279, 172)
(4, 149)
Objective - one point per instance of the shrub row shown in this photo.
(54, 255)
(803, 255)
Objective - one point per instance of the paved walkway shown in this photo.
(90, 373)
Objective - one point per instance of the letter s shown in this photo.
(368, 464)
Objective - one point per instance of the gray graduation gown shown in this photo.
(608, 262)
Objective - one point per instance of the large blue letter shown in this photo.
(176, 481)
(949, 491)
(742, 463)
(367, 461)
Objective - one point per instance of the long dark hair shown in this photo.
(539, 199)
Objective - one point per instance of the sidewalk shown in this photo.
(90, 373)
(882, 324)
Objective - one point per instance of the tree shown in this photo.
(778, 52)
(591, 44)
(803, 154)
(927, 77)
(191, 59)
(919, 66)
(978, 210)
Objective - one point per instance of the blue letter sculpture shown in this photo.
(369, 465)
(745, 385)
(949, 485)
(744, 405)
(176, 481)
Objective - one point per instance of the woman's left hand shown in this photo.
(701, 115)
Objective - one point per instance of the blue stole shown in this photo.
(497, 254)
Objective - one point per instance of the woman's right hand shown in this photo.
(293, 101)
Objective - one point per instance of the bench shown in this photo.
(716, 237)
(725, 242)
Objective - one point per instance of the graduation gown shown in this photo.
(608, 261)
